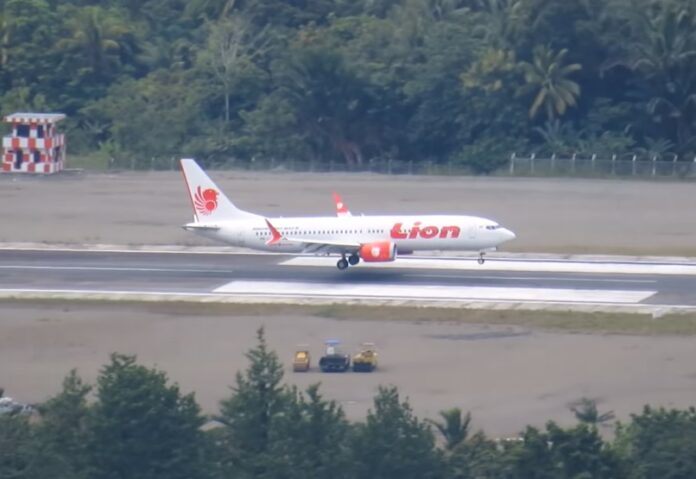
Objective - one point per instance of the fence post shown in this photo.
(512, 164)
(613, 164)
(410, 166)
(674, 165)
(633, 161)
(654, 165)
(531, 163)
(572, 163)
(553, 163)
(592, 162)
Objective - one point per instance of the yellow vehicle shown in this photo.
(301, 361)
(366, 359)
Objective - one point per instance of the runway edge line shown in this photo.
(129, 296)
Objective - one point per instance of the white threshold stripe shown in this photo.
(105, 268)
(518, 266)
(427, 292)
(566, 279)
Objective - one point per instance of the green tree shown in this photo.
(28, 28)
(393, 442)
(232, 48)
(100, 42)
(64, 425)
(25, 454)
(454, 427)
(587, 413)
(251, 417)
(143, 427)
(16, 444)
(331, 103)
(476, 458)
(547, 77)
(150, 117)
(659, 443)
(658, 45)
(577, 452)
(313, 436)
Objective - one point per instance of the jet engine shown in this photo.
(379, 251)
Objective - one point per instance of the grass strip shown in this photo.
(559, 321)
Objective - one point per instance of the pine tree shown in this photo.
(251, 415)
(142, 427)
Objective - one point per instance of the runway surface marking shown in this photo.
(457, 293)
(536, 278)
(135, 269)
(520, 266)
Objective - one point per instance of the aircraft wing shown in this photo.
(312, 245)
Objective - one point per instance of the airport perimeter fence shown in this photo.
(593, 166)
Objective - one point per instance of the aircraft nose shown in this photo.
(507, 234)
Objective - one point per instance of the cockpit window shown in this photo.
(492, 227)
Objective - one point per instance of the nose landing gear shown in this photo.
(481, 259)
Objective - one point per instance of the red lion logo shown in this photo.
(205, 201)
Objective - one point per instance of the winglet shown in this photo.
(341, 209)
(276, 236)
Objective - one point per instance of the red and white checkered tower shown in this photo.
(34, 145)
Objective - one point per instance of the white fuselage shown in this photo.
(408, 233)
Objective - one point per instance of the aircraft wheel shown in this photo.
(353, 259)
(481, 260)
(342, 264)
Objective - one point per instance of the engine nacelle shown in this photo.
(379, 251)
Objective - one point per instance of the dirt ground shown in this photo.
(506, 376)
(548, 215)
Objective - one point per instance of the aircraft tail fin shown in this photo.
(341, 208)
(209, 203)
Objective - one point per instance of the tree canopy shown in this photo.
(468, 81)
(140, 425)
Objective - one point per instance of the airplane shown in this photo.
(371, 239)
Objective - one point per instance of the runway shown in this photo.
(499, 281)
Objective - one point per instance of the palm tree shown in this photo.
(586, 412)
(659, 48)
(546, 76)
(209, 9)
(454, 427)
(101, 38)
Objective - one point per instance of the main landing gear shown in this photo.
(343, 263)
(481, 259)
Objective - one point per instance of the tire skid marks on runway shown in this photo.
(502, 265)
(433, 292)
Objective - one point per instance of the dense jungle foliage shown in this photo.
(136, 424)
(462, 81)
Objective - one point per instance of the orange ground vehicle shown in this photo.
(366, 358)
(301, 360)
